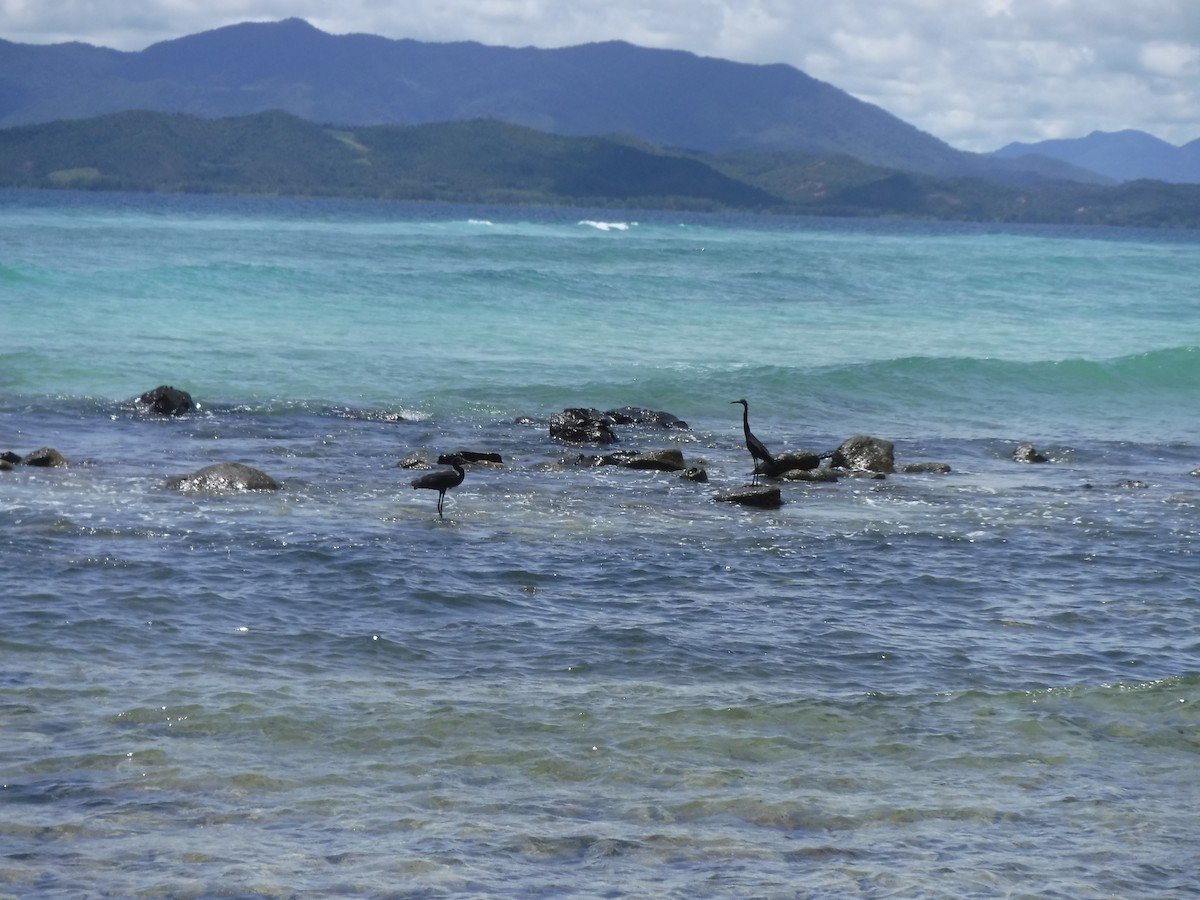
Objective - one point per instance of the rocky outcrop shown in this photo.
(635, 415)
(222, 478)
(165, 400)
(582, 426)
(865, 454)
(1027, 453)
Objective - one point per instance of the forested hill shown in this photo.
(487, 161)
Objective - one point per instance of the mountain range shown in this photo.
(285, 109)
(1120, 155)
(671, 99)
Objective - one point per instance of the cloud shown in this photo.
(977, 75)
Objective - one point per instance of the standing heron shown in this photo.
(444, 480)
(758, 450)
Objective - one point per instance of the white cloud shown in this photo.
(975, 74)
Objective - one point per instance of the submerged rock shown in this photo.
(658, 460)
(697, 474)
(224, 477)
(762, 497)
(472, 456)
(1027, 453)
(165, 400)
(865, 454)
(815, 475)
(935, 468)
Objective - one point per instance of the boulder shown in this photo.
(790, 461)
(865, 454)
(582, 426)
(224, 477)
(165, 400)
(1026, 453)
(697, 474)
(657, 460)
(762, 497)
(47, 457)
(634, 415)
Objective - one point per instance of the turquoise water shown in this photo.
(594, 681)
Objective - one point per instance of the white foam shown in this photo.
(607, 226)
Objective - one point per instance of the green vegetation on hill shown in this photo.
(491, 162)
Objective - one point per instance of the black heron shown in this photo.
(758, 450)
(444, 480)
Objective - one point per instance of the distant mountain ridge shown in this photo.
(485, 161)
(669, 98)
(1120, 155)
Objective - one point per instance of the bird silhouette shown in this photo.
(443, 480)
(758, 450)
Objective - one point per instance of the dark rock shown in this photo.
(471, 456)
(764, 497)
(865, 454)
(223, 477)
(1134, 484)
(657, 460)
(633, 415)
(790, 461)
(165, 400)
(1196, 472)
(415, 461)
(935, 468)
(47, 457)
(696, 474)
(9, 457)
(1026, 453)
(815, 475)
(582, 426)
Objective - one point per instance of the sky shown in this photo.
(976, 73)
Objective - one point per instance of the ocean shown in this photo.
(594, 681)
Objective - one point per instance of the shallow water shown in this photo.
(594, 681)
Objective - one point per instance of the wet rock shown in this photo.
(471, 456)
(934, 468)
(582, 426)
(761, 497)
(223, 478)
(814, 475)
(1027, 453)
(634, 415)
(658, 460)
(165, 400)
(696, 474)
(45, 458)
(790, 461)
(865, 454)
